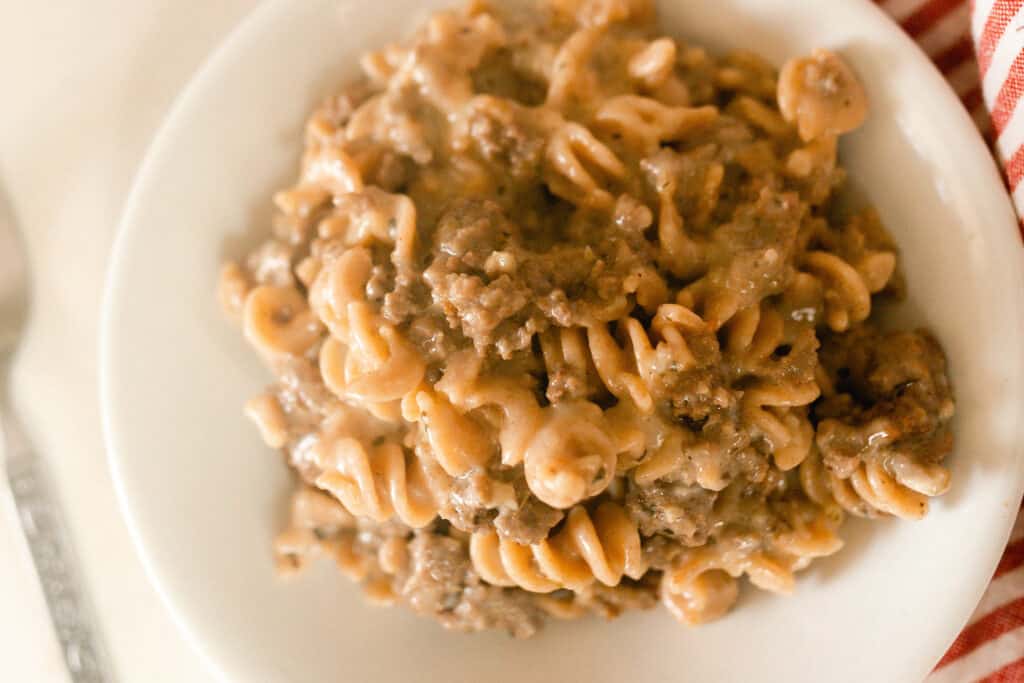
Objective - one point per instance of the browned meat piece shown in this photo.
(611, 601)
(751, 256)
(660, 552)
(477, 299)
(893, 396)
(442, 585)
(567, 382)
(499, 294)
(466, 507)
(503, 138)
(529, 523)
(472, 506)
(695, 393)
(676, 510)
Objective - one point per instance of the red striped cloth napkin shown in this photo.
(979, 46)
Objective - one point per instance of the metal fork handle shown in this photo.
(50, 547)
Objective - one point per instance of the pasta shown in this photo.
(572, 456)
(603, 546)
(568, 317)
(379, 483)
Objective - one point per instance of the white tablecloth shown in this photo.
(83, 86)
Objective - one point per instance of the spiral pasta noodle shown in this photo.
(517, 410)
(379, 482)
(572, 456)
(701, 586)
(873, 490)
(578, 162)
(569, 71)
(777, 415)
(377, 367)
(650, 122)
(677, 251)
(627, 370)
(603, 546)
(277, 320)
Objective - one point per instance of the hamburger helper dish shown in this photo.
(567, 317)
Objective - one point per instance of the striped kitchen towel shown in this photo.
(979, 46)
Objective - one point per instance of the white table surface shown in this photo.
(83, 86)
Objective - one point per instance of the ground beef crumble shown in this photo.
(443, 585)
(892, 395)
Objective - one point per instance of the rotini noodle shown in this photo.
(572, 457)
(678, 252)
(847, 298)
(379, 482)
(571, 150)
(701, 586)
(603, 546)
(277, 320)
(628, 371)
(458, 442)
(649, 122)
(654, 64)
(374, 217)
(569, 71)
(379, 367)
(519, 414)
(777, 416)
(266, 412)
(871, 489)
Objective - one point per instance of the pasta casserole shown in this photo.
(570, 317)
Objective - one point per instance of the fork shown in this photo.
(30, 485)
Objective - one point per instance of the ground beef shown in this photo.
(487, 307)
(499, 74)
(338, 109)
(391, 172)
(472, 506)
(892, 395)
(566, 382)
(528, 523)
(466, 506)
(301, 390)
(611, 601)
(499, 286)
(440, 568)
(660, 552)
(676, 510)
(751, 256)
(402, 297)
(792, 362)
(443, 585)
(746, 506)
(694, 393)
(305, 400)
(503, 138)
(751, 464)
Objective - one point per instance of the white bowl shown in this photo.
(203, 497)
